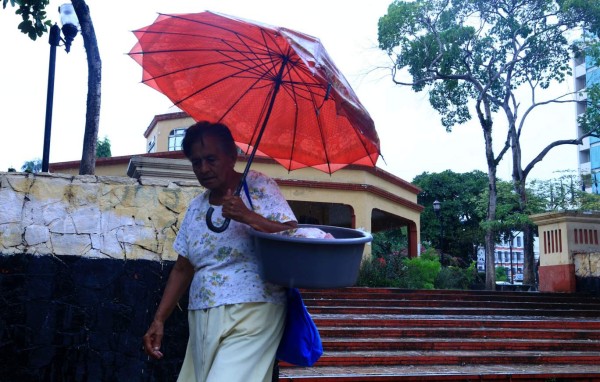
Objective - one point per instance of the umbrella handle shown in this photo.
(210, 224)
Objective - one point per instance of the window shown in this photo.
(151, 145)
(175, 138)
(518, 241)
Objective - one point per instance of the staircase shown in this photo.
(379, 334)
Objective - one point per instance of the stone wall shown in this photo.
(83, 263)
(587, 271)
(89, 216)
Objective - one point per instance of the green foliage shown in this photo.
(103, 148)
(390, 241)
(34, 165)
(381, 272)
(589, 122)
(581, 9)
(564, 192)
(452, 278)
(501, 274)
(509, 214)
(458, 225)
(33, 14)
(422, 271)
(589, 202)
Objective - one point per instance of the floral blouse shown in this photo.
(225, 263)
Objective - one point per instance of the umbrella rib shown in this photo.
(311, 97)
(231, 31)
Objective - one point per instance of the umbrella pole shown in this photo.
(278, 81)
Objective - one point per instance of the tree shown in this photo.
(34, 165)
(474, 55)
(103, 148)
(35, 24)
(458, 195)
(564, 193)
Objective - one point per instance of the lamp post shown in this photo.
(510, 252)
(70, 26)
(437, 208)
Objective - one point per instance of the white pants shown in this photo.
(233, 343)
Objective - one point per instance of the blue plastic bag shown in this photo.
(301, 343)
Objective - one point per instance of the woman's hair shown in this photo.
(199, 130)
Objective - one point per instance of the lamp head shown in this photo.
(437, 206)
(70, 23)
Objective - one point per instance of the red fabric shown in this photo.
(223, 69)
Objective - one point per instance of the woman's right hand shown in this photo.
(179, 280)
(153, 339)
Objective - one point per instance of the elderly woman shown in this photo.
(235, 318)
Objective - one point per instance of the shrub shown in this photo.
(395, 270)
(422, 271)
(501, 274)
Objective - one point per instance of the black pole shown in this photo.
(54, 40)
(510, 247)
(441, 241)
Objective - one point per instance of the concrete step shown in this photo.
(379, 321)
(449, 332)
(439, 303)
(451, 344)
(455, 358)
(523, 311)
(398, 373)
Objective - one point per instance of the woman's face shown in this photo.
(213, 167)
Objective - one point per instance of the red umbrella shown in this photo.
(272, 86)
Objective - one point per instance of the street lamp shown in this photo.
(437, 208)
(70, 26)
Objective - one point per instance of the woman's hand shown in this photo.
(234, 208)
(179, 280)
(153, 339)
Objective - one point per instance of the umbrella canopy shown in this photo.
(275, 88)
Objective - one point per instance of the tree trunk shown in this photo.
(92, 116)
(528, 255)
(490, 266)
(490, 242)
(519, 183)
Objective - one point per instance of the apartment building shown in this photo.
(586, 74)
(509, 254)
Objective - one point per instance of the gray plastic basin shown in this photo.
(297, 262)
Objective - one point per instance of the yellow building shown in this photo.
(354, 197)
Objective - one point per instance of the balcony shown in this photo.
(585, 168)
(580, 70)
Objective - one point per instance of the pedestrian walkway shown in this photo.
(379, 334)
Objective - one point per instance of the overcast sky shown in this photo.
(413, 140)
